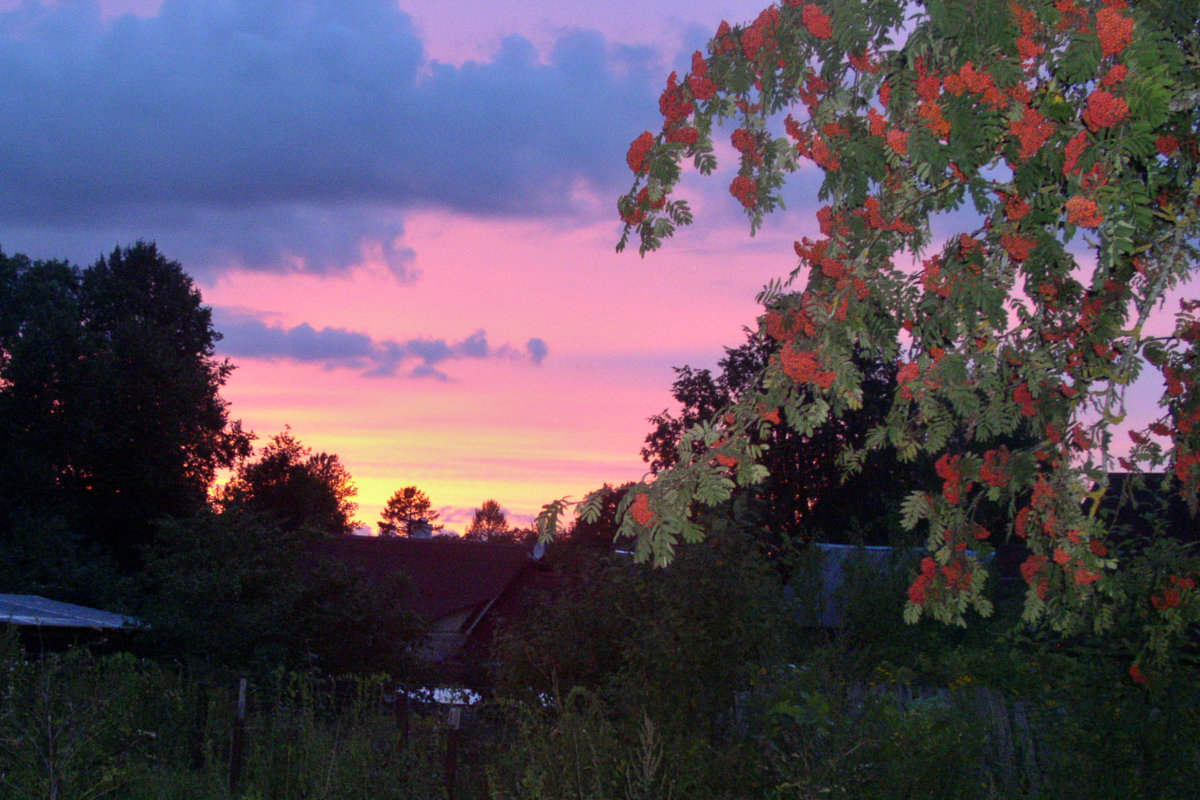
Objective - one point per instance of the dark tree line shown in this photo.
(112, 433)
(111, 416)
(807, 496)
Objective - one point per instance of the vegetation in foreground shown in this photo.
(693, 682)
(658, 695)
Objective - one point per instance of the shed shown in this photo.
(51, 624)
(458, 586)
(824, 585)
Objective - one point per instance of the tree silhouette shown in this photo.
(110, 406)
(294, 487)
(404, 508)
(490, 523)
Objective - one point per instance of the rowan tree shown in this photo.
(1063, 137)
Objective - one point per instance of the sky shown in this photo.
(403, 215)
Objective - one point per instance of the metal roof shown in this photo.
(30, 609)
(820, 588)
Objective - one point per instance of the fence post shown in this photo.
(238, 742)
(401, 709)
(200, 725)
(452, 750)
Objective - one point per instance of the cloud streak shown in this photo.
(250, 336)
(295, 134)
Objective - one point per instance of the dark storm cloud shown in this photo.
(249, 336)
(282, 135)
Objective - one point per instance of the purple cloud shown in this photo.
(250, 336)
(284, 136)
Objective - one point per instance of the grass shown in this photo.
(925, 716)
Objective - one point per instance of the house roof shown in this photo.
(32, 610)
(448, 577)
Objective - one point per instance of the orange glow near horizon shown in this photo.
(438, 439)
(500, 428)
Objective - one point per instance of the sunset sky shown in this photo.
(402, 214)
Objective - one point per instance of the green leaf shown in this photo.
(914, 509)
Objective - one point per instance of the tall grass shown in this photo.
(74, 725)
(949, 721)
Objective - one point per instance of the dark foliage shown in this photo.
(807, 495)
(295, 488)
(110, 412)
(239, 591)
(42, 554)
(685, 638)
(599, 532)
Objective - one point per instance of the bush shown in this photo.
(1009, 720)
(73, 725)
(236, 591)
(686, 639)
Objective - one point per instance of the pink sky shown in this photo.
(402, 214)
(507, 429)
(407, 245)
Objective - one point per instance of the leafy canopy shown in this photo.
(294, 487)
(405, 508)
(804, 497)
(1058, 140)
(110, 406)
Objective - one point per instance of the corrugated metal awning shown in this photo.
(30, 609)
